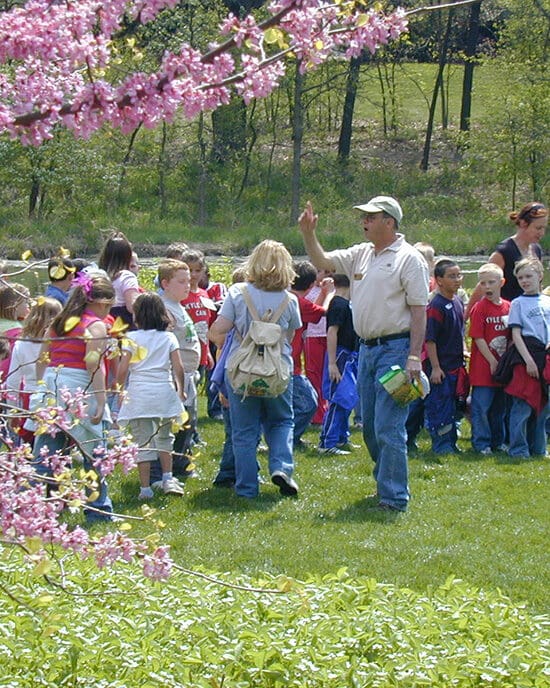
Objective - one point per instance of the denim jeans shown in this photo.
(304, 402)
(226, 471)
(384, 421)
(527, 429)
(248, 416)
(488, 412)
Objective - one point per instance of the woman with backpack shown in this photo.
(254, 404)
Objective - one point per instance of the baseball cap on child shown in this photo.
(385, 204)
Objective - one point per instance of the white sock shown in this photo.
(166, 476)
(146, 492)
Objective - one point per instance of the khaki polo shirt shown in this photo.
(383, 286)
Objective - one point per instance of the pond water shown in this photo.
(36, 278)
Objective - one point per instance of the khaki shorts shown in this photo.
(151, 435)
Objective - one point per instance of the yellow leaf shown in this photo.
(138, 354)
(362, 19)
(33, 544)
(57, 272)
(118, 326)
(71, 323)
(93, 496)
(125, 527)
(43, 600)
(64, 252)
(273, 35)
(40, 301)
(42, 568)
(92, 357)
(131, 42)
(26, 255)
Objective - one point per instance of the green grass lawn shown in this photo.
(482, 519)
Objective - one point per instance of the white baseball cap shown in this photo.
(385, 204)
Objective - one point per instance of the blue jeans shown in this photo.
(248, 416)
(304, 402)
(488, 412)
(61, 443)
(527, 429)
(384, 421)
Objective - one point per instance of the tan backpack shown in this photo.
(257, 367)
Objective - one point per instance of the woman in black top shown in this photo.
(530, 223)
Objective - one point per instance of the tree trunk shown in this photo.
(162, 171)
(438, 85)
(34, 196)
(297, 136)
(125, 162)
(228, 131)
(203, 175)
(248, 157)
(472, 38)
(346, 127)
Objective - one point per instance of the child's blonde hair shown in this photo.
(40, 318)
(11, 295)
(168, 268)
(529, 262)
(427, 251)
(490, 269)
(269, 266)
(239, 274)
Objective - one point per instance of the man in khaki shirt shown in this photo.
(389, 293)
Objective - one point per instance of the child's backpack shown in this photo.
(257, 367)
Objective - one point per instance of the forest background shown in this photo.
(453, 119)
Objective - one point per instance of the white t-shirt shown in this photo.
(151, 392)
(186, 334)
(124, 281)
(24, 357)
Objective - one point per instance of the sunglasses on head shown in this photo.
(536, 210)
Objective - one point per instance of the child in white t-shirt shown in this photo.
(154, 391)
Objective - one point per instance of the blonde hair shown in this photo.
(11, 295)
(427, 251)
(40, 317)
(490, 269)
(239, 274)
(529, 262)
(269, 266)
(168, 268)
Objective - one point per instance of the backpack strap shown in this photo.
(277, 314)
(271, 317)
(248, 301)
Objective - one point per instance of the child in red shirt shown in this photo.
(490, 337)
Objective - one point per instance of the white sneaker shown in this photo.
(333, 450)
(285, 483)
(172, 486)
(486, 451)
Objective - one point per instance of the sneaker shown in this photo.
(486, 451)
(502, 448)
(172, 486)
(284, 482)
(348, 446)
(324, 451)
